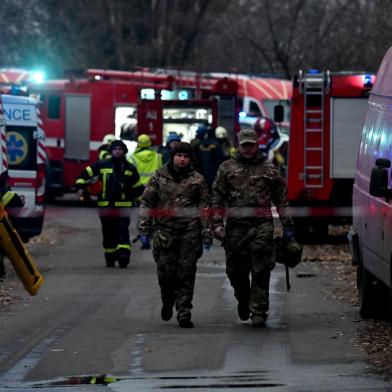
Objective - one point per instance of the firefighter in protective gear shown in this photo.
(228, 150)
(207, 153)
(120, 187)
(245, 188)
(268, 135)
(104, 149)
(172, 140)
(179, 234)
(146, 160)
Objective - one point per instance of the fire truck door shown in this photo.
(77, 127)
(149, 119)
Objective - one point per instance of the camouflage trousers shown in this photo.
(249, 261)
(176, 257)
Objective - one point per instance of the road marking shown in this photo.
(17, 374)
(137, 355)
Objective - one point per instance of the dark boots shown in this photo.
(123, 259)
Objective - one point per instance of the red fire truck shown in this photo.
(327, 113)
(77, 113)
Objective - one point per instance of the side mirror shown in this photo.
(278, 113)
(378, 186)
(382, 162)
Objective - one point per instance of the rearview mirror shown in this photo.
(378, 186)
(278, 113)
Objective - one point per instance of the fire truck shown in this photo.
(327, 113)
(78, 112)
(259, 96)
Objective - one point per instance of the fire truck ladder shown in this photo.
(314, 87)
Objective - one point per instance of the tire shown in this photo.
(373, 296)
(310, 231)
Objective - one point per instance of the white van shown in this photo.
(371, 234)
(26, 161)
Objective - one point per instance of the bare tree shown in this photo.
(259, 36)
(283, 36)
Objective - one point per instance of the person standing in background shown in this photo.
(120, 187)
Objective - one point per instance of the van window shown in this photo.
(54, 106)
(254, 109)
(22, 147)
(270, 106)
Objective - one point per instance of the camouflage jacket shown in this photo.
(177, 206)
(244, 191)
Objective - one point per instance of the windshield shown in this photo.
(271, 103)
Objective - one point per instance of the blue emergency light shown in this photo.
(183, 95)
(367, 80)
(38, 76)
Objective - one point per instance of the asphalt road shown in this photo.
(89, 321)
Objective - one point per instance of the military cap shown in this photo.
(247, 136)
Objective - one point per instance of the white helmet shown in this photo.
(107, 139)
(220, 133)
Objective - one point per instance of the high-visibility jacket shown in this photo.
(7, 199)
(147, 162)
(120, 182)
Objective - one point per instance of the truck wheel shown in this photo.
(310, 231)
(319, 232)
(372, 295)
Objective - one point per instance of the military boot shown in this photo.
(166, 312)
(258, 320)
(185, 323)
(243, 310)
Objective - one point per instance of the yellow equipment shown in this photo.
(12, 246)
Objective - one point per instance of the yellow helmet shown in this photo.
(143, 141)
(107, 139)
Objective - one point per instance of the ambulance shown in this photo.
(371, 233)
(25, 140)
(11, 244)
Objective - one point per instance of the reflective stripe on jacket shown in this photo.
(7, 197)
(120, 182)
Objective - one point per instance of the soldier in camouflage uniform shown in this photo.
(243, 190)
(174, 209)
